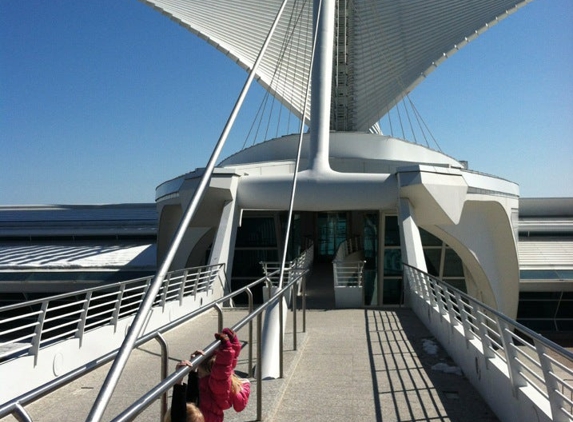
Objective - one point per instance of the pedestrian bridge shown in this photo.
(401, 363)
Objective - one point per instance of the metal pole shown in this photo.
(112, 378)
(164, 369)
(294, 306)
(324, 14)
(259, 372)
(250, 295)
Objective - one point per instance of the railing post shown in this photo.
(196, 284)
(83, 317)
(250, 296)
(166, 283)
(281, 335)
(259, 366)
(220, 317)
(513, 365)
(556, 401)
(181, 293)
(164, 369)
(35, 348)
(488, 352)
(115, 316)
(20, 414)
(293, 292)
(468, 333)
(304, 305)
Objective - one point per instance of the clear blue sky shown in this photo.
(101, 101)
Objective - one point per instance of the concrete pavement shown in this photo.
(350, 365)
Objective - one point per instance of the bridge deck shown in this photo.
(367, 365)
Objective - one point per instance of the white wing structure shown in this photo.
(383, 48)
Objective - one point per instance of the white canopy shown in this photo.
(387, 47)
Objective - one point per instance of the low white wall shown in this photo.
(488, 375)
(348, 297)
(24, 374)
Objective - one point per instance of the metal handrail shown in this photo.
(348, 273)
(25, 328)
(528, 359)
(302, 262)
(15, 406)
(147, 399)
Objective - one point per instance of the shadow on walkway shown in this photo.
(320, 287)
(413, 378)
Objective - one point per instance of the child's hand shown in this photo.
(222, 336)
(183, 363)
(197, 353)
(230, 333)
(180, 365)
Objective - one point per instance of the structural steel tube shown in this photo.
(136, 328)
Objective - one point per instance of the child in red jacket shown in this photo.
(208, 389)
(240, 387)
(215, 385)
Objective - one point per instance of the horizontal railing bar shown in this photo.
(18, 317)
(521, 349)
(62, 316)
(32, 395)
(65, 334)
(58, 327)
(20, 327)
(147, 399)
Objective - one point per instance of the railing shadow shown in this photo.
(406, 387)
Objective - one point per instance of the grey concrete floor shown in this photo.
(349, 365)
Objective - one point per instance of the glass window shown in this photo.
(429, 239)
(370, 238)
(565, 309)
(565, 274)
(538, 275)
(257, 232)
(247, 262)
(391, 231)
(392, 262)
(536, 296)
(453, 264)
(432, 257)
(392, 291)
(459, 284)
(332, 230)
(540, 309)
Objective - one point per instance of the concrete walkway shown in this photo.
(350, 365)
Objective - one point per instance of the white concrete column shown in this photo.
(224, 244)
(411, 242)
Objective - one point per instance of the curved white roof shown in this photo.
(391, 45)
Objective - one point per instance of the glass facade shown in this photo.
(442, 261)
(256, 241)
(260, 238)
(546, 311)
(332, 230)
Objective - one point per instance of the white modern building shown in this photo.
(406, 202)
(395, 200)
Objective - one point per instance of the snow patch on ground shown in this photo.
(431, 348)
(444, 367)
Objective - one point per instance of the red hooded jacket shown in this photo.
(215, 388)
(240, 399)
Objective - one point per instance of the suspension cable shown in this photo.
(298, 153)
(137, 326)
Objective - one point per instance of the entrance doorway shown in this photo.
(332, 229)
